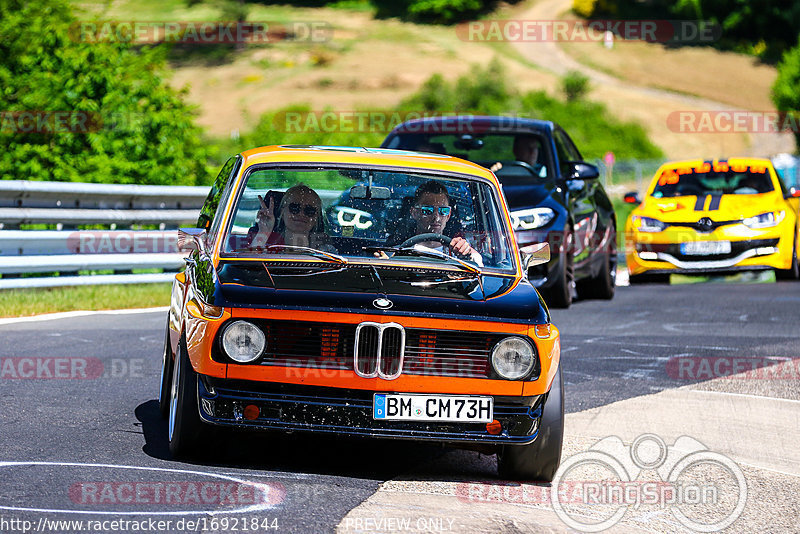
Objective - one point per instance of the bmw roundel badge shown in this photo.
(382, 303)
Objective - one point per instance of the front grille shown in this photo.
(737, 248)
(448, 353)
(413, 351)
(306, 344)
(366, 358)
(705, 225)
(379, 350)
(392, 350)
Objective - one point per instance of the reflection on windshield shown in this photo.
(516, 158)
(367, 215)
(736, 180)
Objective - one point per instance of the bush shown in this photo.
(574, 85)
(139, 130)
(434, 11)
(784, 90)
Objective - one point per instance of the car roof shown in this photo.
(695, 162)
(474, 124)
(363, 156)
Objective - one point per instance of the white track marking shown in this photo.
(79, 313)
(778, 399)
(252, 508)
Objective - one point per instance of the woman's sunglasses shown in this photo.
(308, 209)
(444, 211)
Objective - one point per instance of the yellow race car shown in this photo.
(714, 216)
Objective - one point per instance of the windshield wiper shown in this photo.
(411, 251)
(334, 258)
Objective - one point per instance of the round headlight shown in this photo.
(513, 358)
(243, 342)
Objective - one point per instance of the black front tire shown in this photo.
(602, 286)
(793, 272)
(538, 460)
(167, 364)
(187, 433)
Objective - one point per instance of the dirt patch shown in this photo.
(729, 78)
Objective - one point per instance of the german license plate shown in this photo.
(702, 248)
(407, 407)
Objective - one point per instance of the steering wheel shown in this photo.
(421, 238)
(528, 167)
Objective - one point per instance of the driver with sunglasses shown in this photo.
(430, 212)
(299, 220)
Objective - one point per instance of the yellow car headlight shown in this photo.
(648, 224)
(764, 220)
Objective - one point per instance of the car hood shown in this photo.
(354, 289)
(716, 207)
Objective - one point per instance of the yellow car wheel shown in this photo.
(793, 272)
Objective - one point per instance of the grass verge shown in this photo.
(26, 302)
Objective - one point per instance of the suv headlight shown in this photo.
(243, 342)
(513, 358)
(532, 218)
(764, 220)
(648, 224)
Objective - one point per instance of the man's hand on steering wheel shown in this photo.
(458, 244)
(462, 246)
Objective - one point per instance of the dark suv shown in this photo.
(554, 196)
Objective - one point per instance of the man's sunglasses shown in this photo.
(444, 211)
(308, 209)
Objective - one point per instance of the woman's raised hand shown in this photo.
(266, 215)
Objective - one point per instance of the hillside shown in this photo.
(376, 63)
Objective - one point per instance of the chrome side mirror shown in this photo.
(191, 239)
(535, 254)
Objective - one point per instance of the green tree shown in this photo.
(784, 91)
(139, 129)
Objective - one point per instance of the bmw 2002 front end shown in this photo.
(715, 216)
(362, 292)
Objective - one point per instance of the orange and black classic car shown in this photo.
(364, 293)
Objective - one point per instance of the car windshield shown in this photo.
(522, 156)
(720, 179)
(345, 215)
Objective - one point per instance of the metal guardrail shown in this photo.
(67, 251)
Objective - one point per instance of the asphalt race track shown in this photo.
(710, 369)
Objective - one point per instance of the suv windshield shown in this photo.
(345, 215)
(522, 157)
(721, 179)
